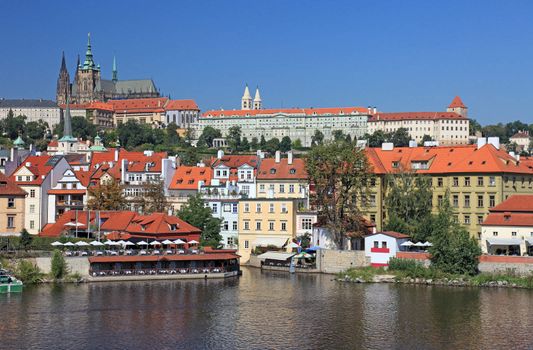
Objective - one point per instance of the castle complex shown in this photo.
(88, 85)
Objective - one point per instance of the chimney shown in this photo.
(220, 154)
(278, 156)
(481, 141)
(387, 146)
(495, 141)
(369, 110)
(412, 143)
(289, 157)
(12, 155)
(116, 154)
(375, 109)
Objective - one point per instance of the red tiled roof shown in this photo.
(38, 166)
(181, 104)
(91, 105)
(149, 105)
(509, 219)
(450, 159)
(270, 170)
(520, 135)
(234, 161)
(187, 177)
(516, 203)
(392, 234)
(53, 143)
(457, 103)
(136, 160)
(8, 187)
(415, 116)
(296, 111)
(55, 229)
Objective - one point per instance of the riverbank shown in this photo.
(429, 276)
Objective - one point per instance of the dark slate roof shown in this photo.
(144, 85)
(23, 103)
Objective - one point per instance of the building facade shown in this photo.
(12, 199)
(34, 110)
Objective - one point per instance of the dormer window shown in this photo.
(273, 171)
(395, 164)
(173, 227)
(191, 182)
(292, 171)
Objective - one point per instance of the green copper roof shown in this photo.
(89, 63)
(99, 148)
(68, 138)
(19, 142)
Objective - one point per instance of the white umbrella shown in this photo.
(428, 244)
(109, 242)
(57, 244)
(154, 243)
(82, 244)
(167, 242)
(419, 244)
(128, 243)
(293, 245)
(74, 224)
(121, 242)
(193, 242)
(96, 243)
(69, 244)
(179, 241)
(142, 243)
(407, 244)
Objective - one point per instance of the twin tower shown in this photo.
(246, 101)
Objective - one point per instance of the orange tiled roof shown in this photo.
(392, 234)
(181, 104)
(509, 219)
(270, 170)
(136, 160)
(38, 166)
(297, 111)
(442, 160)
(187, 177)
(415, 116)
(149, 105)
(457, 103)
(234, 161)
(516, 203)
(8, 187)
(520, 135)
(90, 105)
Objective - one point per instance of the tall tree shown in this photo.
(35, 131)
(234, 138)
(254, 144)
(400, 137)
(338, 135)
(154, 199)
(13, 126)
(285, 144)
(245, 145)
(208, 135)
(377, 138)
(263, 142)
(197, 214)
(107, 195)
(317, 138)
(340, 174)
(272, 145)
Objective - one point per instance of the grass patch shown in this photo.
(364, 273)
(510, 278)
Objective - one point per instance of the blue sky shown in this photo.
(396, 55)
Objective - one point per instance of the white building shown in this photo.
(296, 123)
(382, 246)
(448, 128)
(69, 193)
(35, 110)
(184, 113)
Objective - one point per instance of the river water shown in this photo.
(265, 310)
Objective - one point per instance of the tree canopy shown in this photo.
(197, 214)
(106, 196)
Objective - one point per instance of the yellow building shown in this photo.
(12, 200)
(265, 222)
(478, 177)
(282, 177)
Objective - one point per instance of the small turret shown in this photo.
(246, 101)
(257, 99)
(457, 106)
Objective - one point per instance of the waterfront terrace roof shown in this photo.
(415, 116)
(270, 170)
(306, 112)
(445, 160)
(154, 258)
(188, 177)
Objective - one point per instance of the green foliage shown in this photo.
(208, 135)
(234, 138)
(317, 138)
(189, 156)
(272, 145)
(400, 137)
(35, 131)
(262, 142)
(425, 138)
(25, 239)
(106, 196)
(285, 144)
(376, 139)
(172, 138)
(200, 216)
(245, 145)
(340, 173)
(254, 145)
(28, 273)
(363, 273)
(13, 126)
(297, 144)
(59, 268)
(453, 250)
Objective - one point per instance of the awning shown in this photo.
(504, 241)
(530, 241)
(274, 241)
(281, 256)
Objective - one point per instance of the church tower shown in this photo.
(63, 83)
(88, 77)
(257, 99)
(458, 107)
(246, 101)
(115, 71)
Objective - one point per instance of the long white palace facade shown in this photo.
(448, 128)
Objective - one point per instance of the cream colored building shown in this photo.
(12, 199)
(34, 110)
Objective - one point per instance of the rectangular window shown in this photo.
(10, 221)
(32, 224)
(284, 226)
(480, 219)
(467, 181)
(231, 241)
(480, 201)
(383, 244)
(439, 199)
(307, 224)
(225, 226)
(455, 200)
(234, 225)
(214, 208)
(492, 181)
(258, 225)
(376, 244)
(480, 181)
(271, 208)
(246, 207)
(246, 225)
(372, 200)
(235, 208)
(258, 207)
(492, 200)
(246, 244)
(262, 188)
(11, 202)
(32, 208)
(467, 219)
(32, 193)
(227, 207)
(467, 201)
(291, 188)
(281, 188)
(271, 225)
(373, 218)
(513, 233)
(284, 208)
(495, 233)
(455, 182)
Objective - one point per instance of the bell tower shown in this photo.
(63, 83)
(246, 101)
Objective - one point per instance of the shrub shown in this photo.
(25, 239)
(59, 265)
(28, 273)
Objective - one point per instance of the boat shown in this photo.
(8, 283)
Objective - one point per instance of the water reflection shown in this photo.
(264, 310)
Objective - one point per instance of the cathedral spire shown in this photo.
(89, 63)
(63, 63)
(67, 126)
(115, 71)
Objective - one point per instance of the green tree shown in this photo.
(234, 138)
(59, 268)
(400, 137)
(297, 144)
(35, 131)
(349, 138)
(285, 144)
(154, 199)
(245, 145)
(28, 273)
(425, 138)
(263, 142)
(338, 135)
(254, 145)
(208, 135)
(473, 127)
(107, 195)
(197, 214)
(340, 174)
(317, 138)
(272, 145)
(377, 138)
(13, 126)
(453, 250)
(132, 134)
(172, 138)
(189, 156)
(25, 239)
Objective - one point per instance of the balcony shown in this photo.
(71, 203)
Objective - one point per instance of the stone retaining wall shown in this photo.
(335, 261)
(76, 264)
